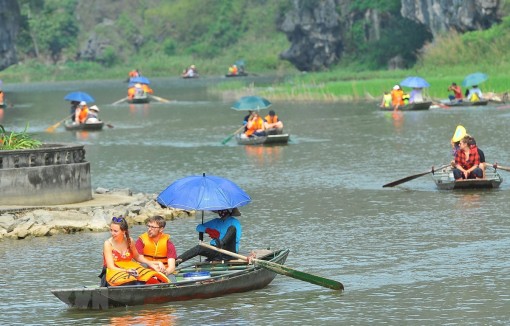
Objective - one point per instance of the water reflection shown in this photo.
(157, 317)
(264, 155)
(141, 110)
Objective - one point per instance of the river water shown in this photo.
(406, 255)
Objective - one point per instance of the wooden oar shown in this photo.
(159, 98)
(283, 270)
(412, 177)
(120, 101)
(226, 140)
(55, 126)
(497, 166)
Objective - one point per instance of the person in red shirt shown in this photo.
(467, 161)
(457, 92)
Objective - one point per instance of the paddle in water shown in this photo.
(55, 126)
(226, 140)
(283, 270)
(412, 177)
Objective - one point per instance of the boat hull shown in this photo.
(139, 100)
(465, 103)
(280, 139)
(444, 180)
(94, 126)
(419, 106)
(236, 281)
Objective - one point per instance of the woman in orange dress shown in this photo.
(122, 260)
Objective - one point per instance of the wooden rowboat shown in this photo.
(201, 281)
(280, 139)
(139, 99)
(240, 74)
(444, 180)
(91, 126)
(417, 106)
(464, 103)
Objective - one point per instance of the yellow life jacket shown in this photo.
(155, 251)
(387, 100)
(273, 119)
(475, 98)
(147, 275)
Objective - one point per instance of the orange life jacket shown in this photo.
(271, 119)
(147, 89)
(116, 278)
(84, 112)
(256, 125)
(131, 93)
(155, 250)
(397, 97)
(1, 97)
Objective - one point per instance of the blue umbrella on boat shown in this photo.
(78, 97)
(139, 79)
(415, 82)
(250, 103)
(474, 79)
(201, 192)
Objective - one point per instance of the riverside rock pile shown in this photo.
(18, 222)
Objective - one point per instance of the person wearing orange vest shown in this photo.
(156, 245)
(1, 98)
(82, 111)
(273, 123)
(147, 89)
(122, 262)
(255, 126)
(397, 97)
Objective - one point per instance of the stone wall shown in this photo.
(50, 175)
(92, 216)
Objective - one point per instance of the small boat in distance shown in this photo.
(464, 103)
(200, 281)
(90, 126)
(445, 181)
(278, 139)
(417, 106)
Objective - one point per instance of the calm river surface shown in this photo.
(406, 255)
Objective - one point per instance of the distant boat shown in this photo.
(263, 140)
(91, 126)
(417, 106)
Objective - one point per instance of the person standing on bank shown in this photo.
(155, 245)
(225, 232)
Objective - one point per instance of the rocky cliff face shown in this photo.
(314, 33)
(460, 15)
(9, 24)
(317, 29)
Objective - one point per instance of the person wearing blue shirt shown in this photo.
(225, 232)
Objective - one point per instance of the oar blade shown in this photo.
(412, 177)
(310, 278)
(226, 140)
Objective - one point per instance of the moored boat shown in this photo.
(263, 140)
(417, 106)
(206, 280)
(464, 103)
(139, 99)
(239, 74)
(84, 126)
(445, 181)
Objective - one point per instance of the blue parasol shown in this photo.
(140, 79)
(250, 103)
(415, 82)
(203, 193)
(474, 79)
(78, 97)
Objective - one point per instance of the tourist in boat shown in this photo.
(136, 91)
(416, 95)
(74, 106)
(457, 92)
(1, 98)
(386, 100)
(272, 124)
(397, 97)
(92, 116)
(190, 72)
(255, 126)
(147, 89)
(122, 262)
(155, 245)
(133, 73)
(467, 161)
(225, 232)
(481, 154)
(81, 113)
(475, 94)
(232, 70)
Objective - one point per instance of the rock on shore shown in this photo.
(90, 216)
